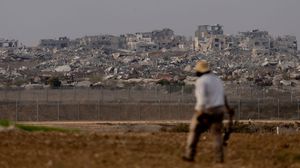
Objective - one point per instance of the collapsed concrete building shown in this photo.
(4, 43)
(137, 42)
(163, 38)
(155, 40)
(99, 41)
(212, 38)
(140, 42)
(262, 43)
(286, 44)
(256, 41)
(62, 42)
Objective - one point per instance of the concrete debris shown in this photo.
(4, 43)
(295, 76)
(64, 68)
(188, 68)
(260, 43)
(286, 83)
(84, 84)
(33, 86)
(254, 58)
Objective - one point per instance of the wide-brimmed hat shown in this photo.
(202, 66)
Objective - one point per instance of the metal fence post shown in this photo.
(75, 94)
(156, 93)
(239, 109)
(129, 94)
(298, 109)
(278, 109)
(291, 96)
(140, 111)
(16, 110)
(58, 110)
(251, 94)
(6, 99)
(37, 107)
(181, 103)
(47, 95)
(98, 104)
(101, 105)
(120, 109)
(159, 109)
(258, 109)
(78, 110)
(170, 103)
(178, 108)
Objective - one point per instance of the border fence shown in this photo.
(141, 103)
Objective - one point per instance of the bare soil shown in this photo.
(142, 150)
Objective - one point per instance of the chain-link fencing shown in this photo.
(140, 103)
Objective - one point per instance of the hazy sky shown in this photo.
(31, 20)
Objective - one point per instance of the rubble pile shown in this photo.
(106, 60)
(95, 65)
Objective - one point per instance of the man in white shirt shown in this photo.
(209, 111)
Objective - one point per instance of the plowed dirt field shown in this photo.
(20, 149)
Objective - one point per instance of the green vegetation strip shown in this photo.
(5, 123)
(33, 128)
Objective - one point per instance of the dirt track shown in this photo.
(141, 150)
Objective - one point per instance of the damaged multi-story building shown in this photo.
(155, 40)
(286, 44)
(256, 41)
(100, 41)
(140, 42)
(137, 42)
(262, 43)
(4, 43)
(212, 38)
(62, 42)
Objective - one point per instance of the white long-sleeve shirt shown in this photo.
(209, 92)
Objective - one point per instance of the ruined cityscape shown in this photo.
(253, 58)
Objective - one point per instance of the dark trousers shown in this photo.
(211, 119)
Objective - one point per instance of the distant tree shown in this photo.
(54, 82)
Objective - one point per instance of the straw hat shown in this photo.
(202, 66)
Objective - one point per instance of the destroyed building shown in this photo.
(212, 38)
(62, 42)
(253, 57)
(205, 31)
(262, 43)
(255, 40)
(163, 38)
(155, 40)
(140, 42)
(4, 43)
(100, 41)
(287, 44)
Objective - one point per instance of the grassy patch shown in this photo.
(32, 128)
(288, 156)
(5, 123)
(181, 128)
(296, 158)
(175, 128)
